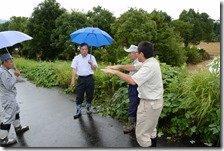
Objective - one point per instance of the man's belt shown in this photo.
(85, 76)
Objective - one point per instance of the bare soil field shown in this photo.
(213, 48)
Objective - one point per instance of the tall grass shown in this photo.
(202, 93)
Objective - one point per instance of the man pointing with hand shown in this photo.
(150, 88)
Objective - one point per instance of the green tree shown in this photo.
(192, 17)
(207, 27)
(101, 18)
(4, 26)
(65, 25)
(18, 23)
(131, 27)
(188, 16)
(167, 42)
(40, 27)
(185, 29)
(216, 29)
(202, 25)
(197, 33)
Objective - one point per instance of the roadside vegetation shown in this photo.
(191, 100)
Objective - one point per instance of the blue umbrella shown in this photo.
(91, 36)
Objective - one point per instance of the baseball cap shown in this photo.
(5, 57)
(132, 48)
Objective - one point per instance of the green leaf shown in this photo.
(193, 129)
(173, 129)
(188, 114)
(192, 141)
(170, 95)
(212, 125)
(208, 144)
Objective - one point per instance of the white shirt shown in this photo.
(135, 63)
(149, 80)
(82, 66)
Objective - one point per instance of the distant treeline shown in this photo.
(50, 26)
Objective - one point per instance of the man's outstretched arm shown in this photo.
(124, 67)
(124, 77)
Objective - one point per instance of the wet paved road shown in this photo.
(49, 114)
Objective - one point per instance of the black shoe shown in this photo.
(7, 142)
(153, 142)
(78, 114)
(88, 110)
(20, 129)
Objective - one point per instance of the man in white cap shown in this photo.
(8, 104)
(150, 88)
(132, 90)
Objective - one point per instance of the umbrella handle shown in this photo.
(14, 66)
(90, 53)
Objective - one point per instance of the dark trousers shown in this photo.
(7, 126)
(85, 85)
(134, 100)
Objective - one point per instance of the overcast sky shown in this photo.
(9, 8)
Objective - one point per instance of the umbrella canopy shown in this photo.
(91, 36)
(10, 38)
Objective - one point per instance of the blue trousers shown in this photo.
(85, 86)
(134, 100)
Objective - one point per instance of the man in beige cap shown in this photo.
(150, 88)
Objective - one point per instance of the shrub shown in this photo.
(202, 101)
(43, 73)
(192, 106)
(196, 55)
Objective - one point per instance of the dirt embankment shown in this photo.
(213, 49)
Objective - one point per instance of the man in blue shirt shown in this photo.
(83, 65)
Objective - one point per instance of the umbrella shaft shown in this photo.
(13, 62)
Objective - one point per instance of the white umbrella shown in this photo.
(10, 38)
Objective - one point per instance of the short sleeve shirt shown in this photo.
(82, 66)
(149, 80)
(135, 63)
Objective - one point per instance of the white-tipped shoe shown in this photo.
(7, 142)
